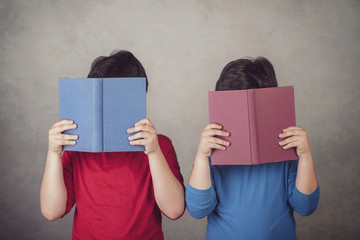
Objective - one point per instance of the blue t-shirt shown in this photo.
(251, 201)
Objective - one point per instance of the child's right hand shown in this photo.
(209, 142)
(57, 139)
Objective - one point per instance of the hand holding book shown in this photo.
(146, 135)
(102, 110)
(254, 118)
(57, 139)
(295, 137)
(208, 141)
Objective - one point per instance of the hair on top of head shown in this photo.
(247, 73)
(119, 64)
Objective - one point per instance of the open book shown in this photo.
(254, 118)
(103, 109)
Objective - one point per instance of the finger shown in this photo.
(213, 125)
(144, 121)
(65, 142)
(138, 142)
(295, 132)
(139, 135)
(291, 145)
(219, 141)
(289, 140)
(216, 146)
(292, 128)
(213, 132)
(61, 128)
(62, 122)
(144, 128)
(66, 136)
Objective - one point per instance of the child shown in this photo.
(251, 202)
(118, 195)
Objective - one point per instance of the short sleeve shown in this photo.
(304, 204)
(68, 180)
(201, 203)
(170, 155)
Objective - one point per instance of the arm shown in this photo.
(200, 203)
(200, 193)
(303, 184)
(169, 192)
(306, 179)
(200, 174)
(53, 194)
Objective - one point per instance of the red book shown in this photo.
(254, 118)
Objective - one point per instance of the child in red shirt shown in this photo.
(118, 195)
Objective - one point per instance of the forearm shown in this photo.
(306, 179)
(53, 193)
(200, 177)
(169, 192)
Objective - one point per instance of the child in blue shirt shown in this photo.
(251, 201)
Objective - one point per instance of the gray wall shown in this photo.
(314, 45)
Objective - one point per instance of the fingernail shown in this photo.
(131, 143)
(128, 130)
(76, 137)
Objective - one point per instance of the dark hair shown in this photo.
(247, 73)
(118, 64)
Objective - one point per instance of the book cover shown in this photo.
(103, 109)
(254, 118)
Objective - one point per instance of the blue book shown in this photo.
(103, 109)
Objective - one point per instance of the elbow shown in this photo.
(306, 212)
(51, 215)
(175, 213)
(200, 203)
(307, 208)
(199, 212)
(306, 205)
(51, 218)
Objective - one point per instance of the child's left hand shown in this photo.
(146, 136)
(296, 137)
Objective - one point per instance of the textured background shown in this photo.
(314, 45)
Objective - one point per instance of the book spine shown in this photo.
(97, 115)
(253, 130)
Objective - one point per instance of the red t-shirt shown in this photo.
(114, 194)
